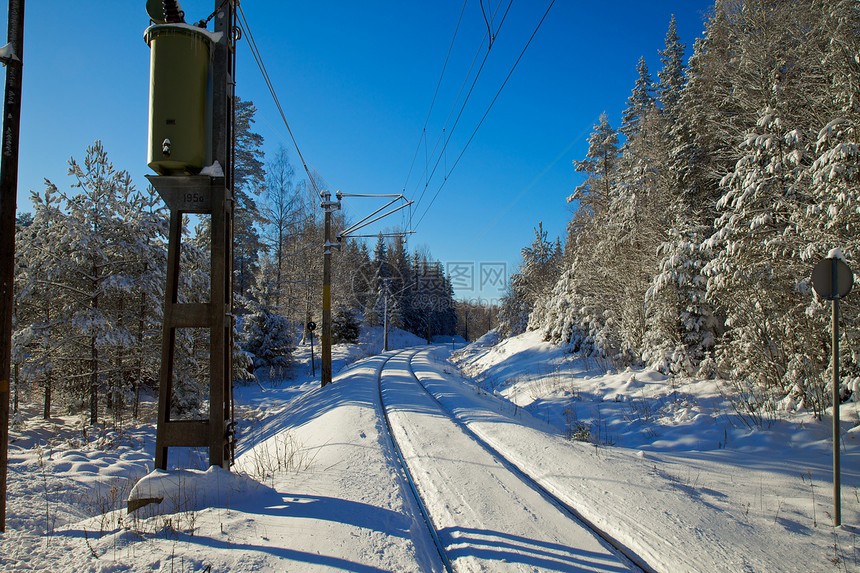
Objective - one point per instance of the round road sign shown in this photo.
(823, 276)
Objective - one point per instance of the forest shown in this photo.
(700, 218)
(689, 250)
(90, 276)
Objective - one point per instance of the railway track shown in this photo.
(483, 512)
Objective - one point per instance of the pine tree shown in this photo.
(578, 309)
(599, 165)
(87, 293)
(375, 311)
(417, 314)
(681, 326)
(401, 287)
(724, 194)
(144, 232)
(513, 313)
(832, 218)
(354, 276)
(345, 327)
(267, 337)
(36, 334)
(539, 271)
(98, 278)
(640, 102)
(757, 265)
(671, 77)
(248, 182)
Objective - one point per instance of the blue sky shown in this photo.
(356, 81)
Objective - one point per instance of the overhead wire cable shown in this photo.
(448, 119)
(204, 23)
(258, 58)
(487, 22)
(384, 235)
(489, 36)
(460, 114)
(451, 112)
(462, 109)
(429, 154)
(485, 115)
(435, 94)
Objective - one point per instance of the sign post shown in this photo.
(311, 327)
(832, 280)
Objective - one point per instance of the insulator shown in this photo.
(173, 13)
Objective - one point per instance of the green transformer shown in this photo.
(178, 98)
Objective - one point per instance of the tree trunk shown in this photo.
(94, 363)
(49, 379)
(280, 264)
(136, 382)
(15, 404)
(46, 411)
(94, 381)
(118, 378)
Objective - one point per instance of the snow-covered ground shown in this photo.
(664, 466)
(716, 486)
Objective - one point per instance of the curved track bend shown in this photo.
(484, 513)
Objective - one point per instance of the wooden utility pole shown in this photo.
(385, 318)
(8, 207)
(330, 207)
(325, 339)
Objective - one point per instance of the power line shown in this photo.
(487, 22)
(258, 58)
(435, 93)
(485, 114)
(448, 119)
(441, 155)
(463, 107)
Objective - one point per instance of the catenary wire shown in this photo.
(487, 22)
(445, 125)
(436, 93)
(490, 36)
(447, 175)
(462, 109)
(258, 58)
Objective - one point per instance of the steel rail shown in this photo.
(425, 514)
(574, 514)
